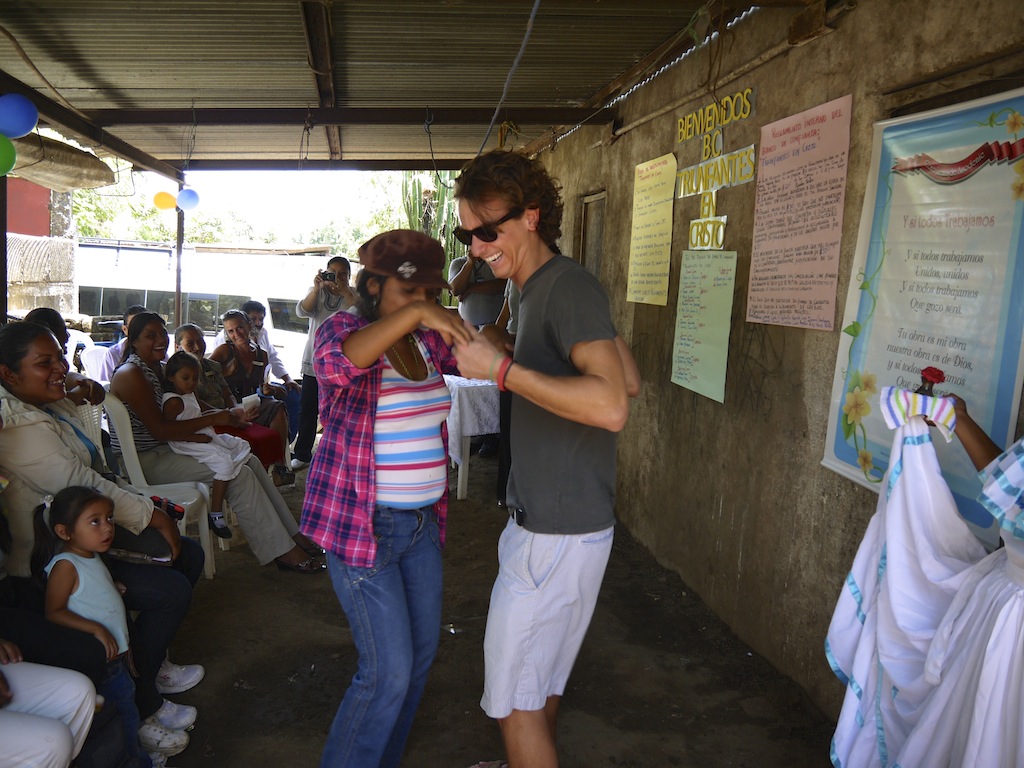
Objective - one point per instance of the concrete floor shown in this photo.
(660, 680)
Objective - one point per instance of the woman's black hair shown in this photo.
(179, 332)
(6, 540)
(15, 339)
(65, 509)
(49, 318)
(340, 260)
(367, 301)
(135, 329)
(175, 363)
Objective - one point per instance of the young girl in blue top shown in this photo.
(71, 530)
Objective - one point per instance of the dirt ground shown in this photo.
(660, 680)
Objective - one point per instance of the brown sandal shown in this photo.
(310, 565)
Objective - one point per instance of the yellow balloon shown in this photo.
(164, 201)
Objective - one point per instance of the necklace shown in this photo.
(401, 362)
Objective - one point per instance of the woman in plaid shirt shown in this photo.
(377, 490)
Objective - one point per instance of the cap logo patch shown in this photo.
(407, 270)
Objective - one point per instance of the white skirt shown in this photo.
(974, 717)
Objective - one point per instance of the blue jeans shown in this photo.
(118, 689)
(394, 611)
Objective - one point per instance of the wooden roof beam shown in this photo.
(246, 116)
(316, 22)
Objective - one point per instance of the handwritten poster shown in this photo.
(938, 281)
(650, 241)
(703, 314)
(798, 218)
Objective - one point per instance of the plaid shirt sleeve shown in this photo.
(337, 512)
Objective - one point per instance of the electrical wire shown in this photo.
(512, 71)
(24, 56)
(711, 38)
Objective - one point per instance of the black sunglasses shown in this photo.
(485, 232)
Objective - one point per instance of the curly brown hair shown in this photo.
(519, 181)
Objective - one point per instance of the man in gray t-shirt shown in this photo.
(570, 379)
(480, 293)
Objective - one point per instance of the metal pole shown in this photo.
(179, 245)
(3, 261)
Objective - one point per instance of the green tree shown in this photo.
(122, 211)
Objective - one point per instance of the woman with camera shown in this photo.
(331, 292)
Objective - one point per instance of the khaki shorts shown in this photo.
(541, 606)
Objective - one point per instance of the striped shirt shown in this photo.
(412, 467)
(341, 494)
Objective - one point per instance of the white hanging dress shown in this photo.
(911, 563)
(974, 716)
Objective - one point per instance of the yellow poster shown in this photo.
(651, 237)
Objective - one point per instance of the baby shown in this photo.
(224, 454)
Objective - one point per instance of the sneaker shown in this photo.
(298, 464)
(155, 738)
(175, 678)
(176, 717)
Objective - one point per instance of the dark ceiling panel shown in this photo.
(138, 56)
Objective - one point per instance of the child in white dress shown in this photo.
(224, 454)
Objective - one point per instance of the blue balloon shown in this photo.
(18, 116)
(188, 199)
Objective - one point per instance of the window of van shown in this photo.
(282, 312)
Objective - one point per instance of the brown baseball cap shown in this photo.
(411, 256)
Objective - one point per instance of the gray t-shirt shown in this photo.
(477, 308)
(563, 472)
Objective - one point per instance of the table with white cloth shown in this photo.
(474, 412)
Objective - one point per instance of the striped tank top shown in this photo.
(411, 465)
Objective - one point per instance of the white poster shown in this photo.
(938, 280)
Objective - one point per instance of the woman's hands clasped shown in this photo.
(453, 329)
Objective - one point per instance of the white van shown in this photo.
(112, 275)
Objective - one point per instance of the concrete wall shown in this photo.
(41, 273)
(733, 496)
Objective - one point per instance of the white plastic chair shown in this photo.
(193, 496)
(92, 358)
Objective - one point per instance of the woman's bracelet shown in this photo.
(503, 370)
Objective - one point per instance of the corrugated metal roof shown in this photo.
(137, 56)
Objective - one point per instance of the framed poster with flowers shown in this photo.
(937, 285)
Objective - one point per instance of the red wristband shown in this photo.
(502, 373)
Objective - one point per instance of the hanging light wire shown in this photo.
(189, 141)
(304, 140)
